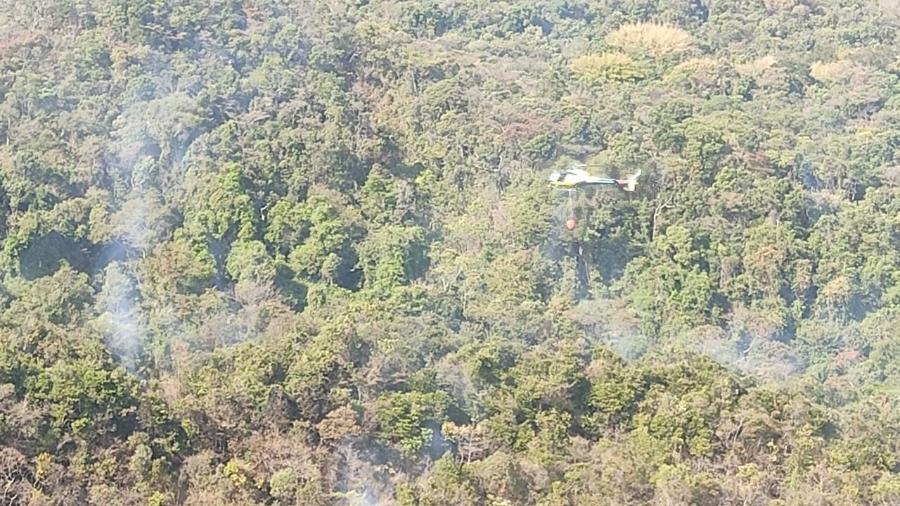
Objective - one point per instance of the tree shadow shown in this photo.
(44, 256)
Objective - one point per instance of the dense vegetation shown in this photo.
(301, 252)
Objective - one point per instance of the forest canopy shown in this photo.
(304, 253)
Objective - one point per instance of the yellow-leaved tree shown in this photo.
(595, 68)
(656, 39)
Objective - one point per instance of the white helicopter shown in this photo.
(574, 178)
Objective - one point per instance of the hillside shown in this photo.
(304, 253)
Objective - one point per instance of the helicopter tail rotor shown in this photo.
(630, 183)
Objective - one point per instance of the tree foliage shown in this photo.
(303, 252)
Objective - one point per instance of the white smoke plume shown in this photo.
(120, 321)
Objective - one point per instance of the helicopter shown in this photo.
(574, 178)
